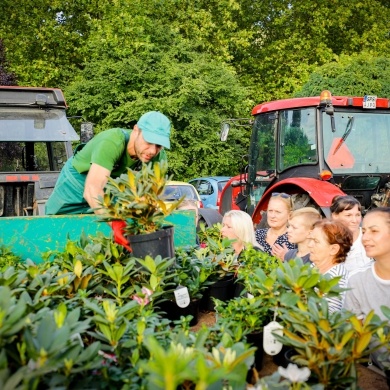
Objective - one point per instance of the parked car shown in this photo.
(176, 189)
(209, 189)
(234, 196)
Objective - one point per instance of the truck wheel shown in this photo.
(209, 217)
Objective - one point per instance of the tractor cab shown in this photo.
(317, 147)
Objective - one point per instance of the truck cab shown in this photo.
(35, 142)
(317, 147)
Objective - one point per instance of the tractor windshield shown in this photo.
(297, 143)
(360, 144)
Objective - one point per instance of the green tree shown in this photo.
(6, 77)
(45, 38)
(139, 61)
(354, 75)
(293, 37)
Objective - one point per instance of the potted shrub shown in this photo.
(247, 316)
(330, 345)
(217, 252)
(135, 198)
(189, 272)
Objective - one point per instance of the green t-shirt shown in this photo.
(109, 150)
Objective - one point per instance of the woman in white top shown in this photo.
(348, 211)
(369, 287)
(329, 245)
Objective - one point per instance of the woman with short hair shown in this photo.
(329, 244)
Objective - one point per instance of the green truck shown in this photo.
(36, 139)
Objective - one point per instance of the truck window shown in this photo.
(365, 145)
(32, 156)
(297, 143)
(262, 146)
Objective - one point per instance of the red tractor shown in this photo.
(315, 148)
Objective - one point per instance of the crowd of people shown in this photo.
(346, 245)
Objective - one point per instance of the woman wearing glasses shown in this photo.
(274, 240)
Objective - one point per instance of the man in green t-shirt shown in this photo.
(108, 154)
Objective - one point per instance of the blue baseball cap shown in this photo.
(156, 128)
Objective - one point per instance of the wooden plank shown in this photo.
(29, 237)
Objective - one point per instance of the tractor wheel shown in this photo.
(209, 217)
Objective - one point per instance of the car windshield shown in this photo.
(221, 185)
(175, 192)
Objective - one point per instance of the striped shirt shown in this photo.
(336, 303)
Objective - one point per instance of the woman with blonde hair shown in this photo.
(274, 239)
(238, 226)
(300, 225)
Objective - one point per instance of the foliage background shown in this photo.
(198, 62)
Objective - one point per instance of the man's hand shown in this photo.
(119, 238)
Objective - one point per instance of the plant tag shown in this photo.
(182, 296)
(270, 344)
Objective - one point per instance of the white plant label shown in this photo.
(182, 296)
(270, 344)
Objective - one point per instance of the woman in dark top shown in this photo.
(274, 240)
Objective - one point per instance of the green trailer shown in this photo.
(29, 237)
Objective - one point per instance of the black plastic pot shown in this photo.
(222, 289)
(153, 244)
(256, 340)
(284, 357)
(387, 373)
(174, 312)
(280, 359)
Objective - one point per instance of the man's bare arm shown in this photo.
(94, 185)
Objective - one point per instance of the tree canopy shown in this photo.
(355, 75)
(6, 77)
(198, 62)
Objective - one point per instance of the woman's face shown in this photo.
(376, 235)
(321, 251)
(227, 230)
(297, 230)
(277, 213)
(351, 219)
